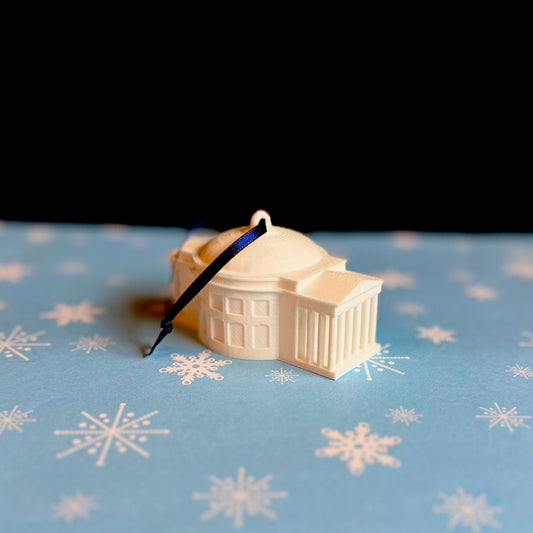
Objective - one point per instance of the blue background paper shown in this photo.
(456, 472)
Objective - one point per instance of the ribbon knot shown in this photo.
(166, 324)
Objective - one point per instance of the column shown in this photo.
(332, 348)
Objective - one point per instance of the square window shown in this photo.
(215, 301)
(261, 337)
(236, 334)
(235, 306)
(217, 329)
(261, 308)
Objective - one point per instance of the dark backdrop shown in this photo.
(411, 145)
(306, 186)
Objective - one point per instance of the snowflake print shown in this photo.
(39, 234)
(381, 362)
(96, 342)
(468, 510)
(520, 371)
(18, 341)
(65, 314)
(195, 366)
(481, 292)
(73, 267)
(410, 308)
(14, 271)
(77, 506)
(282, 375)
(99, 433)
(405, 240)
(359, 448)
(529, 343)
(405, 416)
(394, 279)
(14, 419)
(503, 417)
(436, 334)
(461, 275)
(235, 498)
(521, 268)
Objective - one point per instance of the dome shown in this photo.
(279, 250)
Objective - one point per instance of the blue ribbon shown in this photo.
(205, 277)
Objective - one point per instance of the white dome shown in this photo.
(279, 250)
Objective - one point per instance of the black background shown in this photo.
(398, 138)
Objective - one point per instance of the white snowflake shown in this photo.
(504, 417)
(436, 334)
(410, 308)
(39, 234)
(381, 362)
(126, 431)
(65, 314)
(14, 419)
(282, 375)
(115, 230)
(13, 271)
(468, 510)
(521, 268)
(235, 498)
(529, 343)
(394, 279)
(116, 280)
(359, 448)
(77, 506)
(520, 371)
(195, 366)
(73, 267)
(96, 342)
(18, 341)
(405, 240)
(461, 275)
(405, 416)
(481, 292)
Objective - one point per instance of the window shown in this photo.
(235, 306)
(261, 308)
(236, 334)
(261, 336)
(217, 329)
(215, 301)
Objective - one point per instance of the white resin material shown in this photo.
(282, 297)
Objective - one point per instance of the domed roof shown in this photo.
(278, 251)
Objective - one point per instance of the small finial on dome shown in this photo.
(258, 215)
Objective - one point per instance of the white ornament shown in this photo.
(282, 297)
